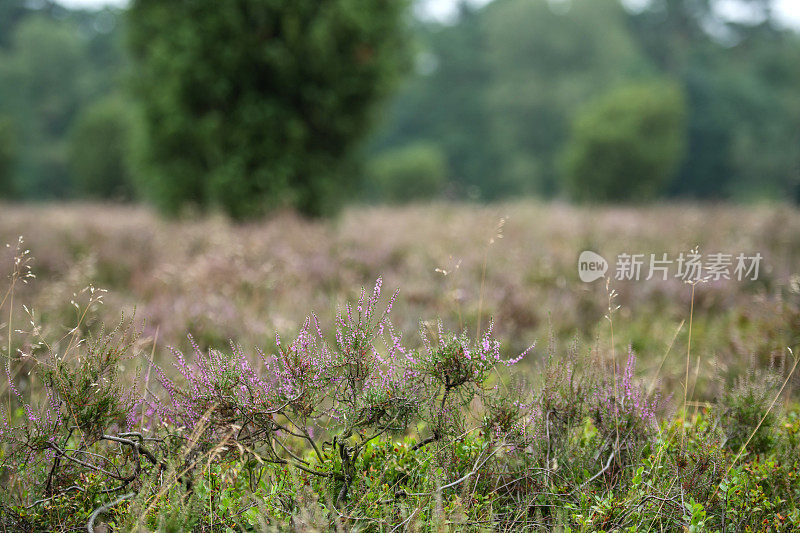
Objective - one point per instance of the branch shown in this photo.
(100, 510)
(425, 442)
(601, 472)
(88, 465)
(133, 444)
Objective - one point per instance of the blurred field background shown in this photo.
(220, 281)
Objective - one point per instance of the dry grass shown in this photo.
(218, 281)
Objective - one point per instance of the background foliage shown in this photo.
(627, 144)
(269, 104)
(498, 89)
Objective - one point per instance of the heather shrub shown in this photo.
(220, 281)
(509, 414)
(744, 410)
(315, 404)
(620, 409)
(452, 371)
(563, 400)
(624, 417)
(73, 438)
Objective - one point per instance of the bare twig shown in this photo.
(100, 510)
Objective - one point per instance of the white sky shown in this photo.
(789, 10)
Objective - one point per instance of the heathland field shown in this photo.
(642, 440)
(220, 282)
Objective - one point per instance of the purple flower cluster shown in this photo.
(456, 359)
(308, 379)
(360, 378)
(623, 403)
(40, 426)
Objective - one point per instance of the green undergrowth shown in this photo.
(686, 479)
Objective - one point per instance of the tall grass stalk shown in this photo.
(653, 382)
(498, 234)
(612, 294)
(686, 378)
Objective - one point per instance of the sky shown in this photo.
(788, 10)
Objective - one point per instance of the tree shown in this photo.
(627, 145)
(259, 104)
(414, 172)
(8, 155)
(99, 148)
(502, 83)
(446, 101)
(43, 79)
(549, 58)
(741, 81)
(11, 12)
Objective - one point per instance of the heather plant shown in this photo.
(453, 370)
(562, 399)
(220, 280)
(73, 437)
(67, 423)
(512, 414)
(744, 412)
(620, 407)
(548, 431)
(315, 405)
(623, 414)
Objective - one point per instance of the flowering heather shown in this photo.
(620, 406)
(358, 382)
(40, 424)
(360, 379)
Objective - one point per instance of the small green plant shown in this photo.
(744, 410)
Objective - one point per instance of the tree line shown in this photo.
(587, 99)
(259, 105)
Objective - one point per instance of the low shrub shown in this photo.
(744, 412)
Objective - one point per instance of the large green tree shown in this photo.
(626, 145)
(258, 104)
